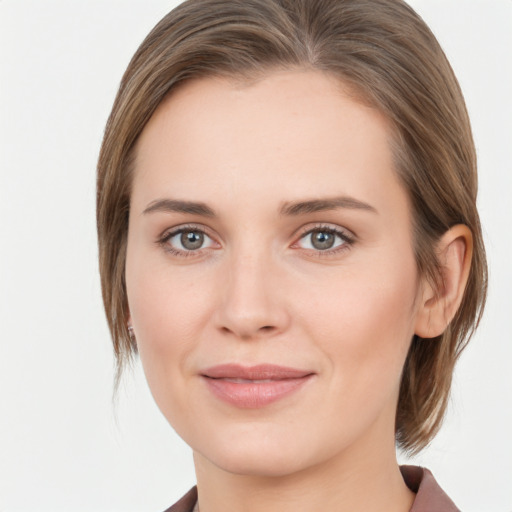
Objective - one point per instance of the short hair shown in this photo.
(382, 50)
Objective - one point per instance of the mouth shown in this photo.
(252, 387)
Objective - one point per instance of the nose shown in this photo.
(252, 301)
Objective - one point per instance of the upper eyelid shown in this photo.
(170, 232)
(304, 230)
(300, 231)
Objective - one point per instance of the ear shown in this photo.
(439, 305)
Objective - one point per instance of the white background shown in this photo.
(63, 447)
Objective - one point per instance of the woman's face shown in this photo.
(270, 271)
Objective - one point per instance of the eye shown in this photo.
(324, 239)
(186, 240)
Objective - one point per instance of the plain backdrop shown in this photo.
(63, 446)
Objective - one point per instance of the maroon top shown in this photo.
(429, 496)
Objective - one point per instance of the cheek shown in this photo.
(163, 304)
(364, 321)
(169, 312)
(166, 313)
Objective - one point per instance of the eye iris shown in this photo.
(191, 240)
(322, 240)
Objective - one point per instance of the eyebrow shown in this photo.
(288, 208)
(322, 205)
(179, 206)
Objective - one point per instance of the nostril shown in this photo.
(264, 328)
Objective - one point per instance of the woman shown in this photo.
(289, 239)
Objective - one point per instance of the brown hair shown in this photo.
(381, 49)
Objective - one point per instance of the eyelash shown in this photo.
(168, 235)
(347, 238)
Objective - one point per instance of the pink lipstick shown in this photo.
(251, 387)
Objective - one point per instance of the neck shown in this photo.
(354, 482)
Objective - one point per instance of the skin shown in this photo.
(258, 290)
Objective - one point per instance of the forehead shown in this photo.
(296, 133)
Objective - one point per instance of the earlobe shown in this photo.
(129, 327)
(440, 304)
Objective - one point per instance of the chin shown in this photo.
(255, 463)
(263, 452)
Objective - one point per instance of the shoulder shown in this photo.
(429, 495)
(186, 503)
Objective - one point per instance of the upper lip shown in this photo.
(256, 372)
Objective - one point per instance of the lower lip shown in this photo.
(253, 395)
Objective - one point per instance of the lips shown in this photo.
(250, 387)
